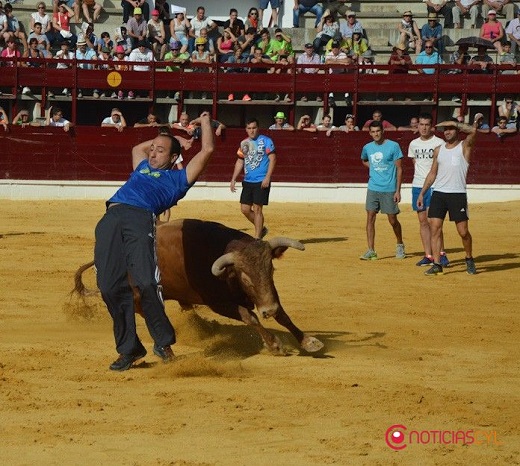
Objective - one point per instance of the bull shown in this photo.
(229, 271)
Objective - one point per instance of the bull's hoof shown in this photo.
(276, 347)
(311, 344)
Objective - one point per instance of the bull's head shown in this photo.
(253, 268)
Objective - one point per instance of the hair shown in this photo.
(233, 10)
(376, 124)
(175, 146)
(56, 110)
(252, 10)
(503, 118)
(200, 8)
(252, 120)
(426, 116)
(105, 34)
(41, 4)
(123, 30)
(8, 7)
(264, 31)
(33, 40)
(507, 42)
(37, 23)
(251, 30)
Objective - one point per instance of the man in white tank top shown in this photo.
(449, 170)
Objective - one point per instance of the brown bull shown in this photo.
(225, 269)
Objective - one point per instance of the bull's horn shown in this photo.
(279, 242)
(220, 264)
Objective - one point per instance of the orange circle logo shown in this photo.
(114, 79)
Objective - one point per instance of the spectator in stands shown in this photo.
(124, 40)
(164, 12)
(482, 127)
(55, 118)
(33, 52)
(136, 27)
(428, 57)
(327, 29)
(104, 42)
(412, 126)
(84, 52)
(432, 31)
(41, 17)
(13, 26)
(246, 42)
(502, 129)
(175, 58)
(64, 57)
(357, 45)
(510, 110)
(197, 23)
(226, 46)
(305, 124)
(281, 49)
(266, 43)
(252, 20)
(378, 116)
(22, 119)
(464, 8)
(140, 54)
(368, 60)
(443, 7)
(61, 24)
(280, 122)
(493, 30)
(129, 7)
(483, 60)
(335, 7)
(303, 6)
(115, 120)
(344, 45)
(513, 32)
(409, 34)
(347, 28)
(338, 57)
(309, 57)
(86, 6)
(350, 124)
(234, 23)
(157, 35)
(502, 7)
(275, 6)
(210, 46)
(179, 27)
(43, 41)
(201, 55)
(10, 51)
(459, 57)
(326, 124)
(400, 60)
(151, 120)
(184, 124)
(259, 58)
(507, 58)
(4, 121)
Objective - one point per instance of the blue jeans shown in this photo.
(316, 9)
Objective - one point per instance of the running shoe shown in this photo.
(125, 361)
(470, 266)
(370, 255)
(444, 260)
(95, 94)
(113, 96)
(26, 90)
(424, 262)
(435, 269)
(164, 352)
(399, 251)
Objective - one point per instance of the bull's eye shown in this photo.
(246, 280)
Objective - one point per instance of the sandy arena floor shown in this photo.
(428, 353)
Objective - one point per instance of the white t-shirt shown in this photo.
(422, 152)
(61, 122)
(197, 25)
(109, 121)
(136, 55)
(513, 28)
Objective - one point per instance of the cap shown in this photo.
(350, 13)
(432, 16)
(335, 44)
(280, 115)
(120, 49)
(105, 50)
(200, 41)
(308, 45)
(175, 45)
(367, 54)
(155, 12)
(492, 12)
(400, 46)
(138, 11)
(407, 13)
(81, 42)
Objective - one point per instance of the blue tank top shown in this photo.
(151, 189)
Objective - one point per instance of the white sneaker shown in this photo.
(65, 91)
(26, 90)
(113, 96)
(96, 94)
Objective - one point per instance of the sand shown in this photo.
(428, 353)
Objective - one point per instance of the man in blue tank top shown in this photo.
(124, 253)
(449, 171)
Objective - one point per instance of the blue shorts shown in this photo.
(264, 3)
(427, 198)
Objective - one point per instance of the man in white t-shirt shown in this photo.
(513, 33)
(55, 118)
(200, 21)
(420, 151)
(115, 120)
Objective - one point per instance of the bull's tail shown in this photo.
(79, 287)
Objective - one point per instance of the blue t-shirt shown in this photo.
(152, 189)
(383, 172)
(255, 153)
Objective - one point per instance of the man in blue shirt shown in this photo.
(383, 159)
(429, 56)
(257, 157)
(125, 241)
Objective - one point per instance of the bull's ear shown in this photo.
(277, 253)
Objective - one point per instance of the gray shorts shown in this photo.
(381, 202)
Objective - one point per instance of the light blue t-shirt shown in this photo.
(424, 59)
(255, 153)
(152, 189)
(382, 172)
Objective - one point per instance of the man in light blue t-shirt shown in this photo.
(383, 159)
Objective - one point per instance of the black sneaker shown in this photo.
(125, 361)
(164, 352)
(435, 269)
(470, 266)
(332, 102)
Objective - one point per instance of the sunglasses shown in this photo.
(428, 47)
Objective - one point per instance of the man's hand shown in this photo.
(232, 186)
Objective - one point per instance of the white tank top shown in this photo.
(452, 170)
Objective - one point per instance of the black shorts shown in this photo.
(253, 193)
(454, 203)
